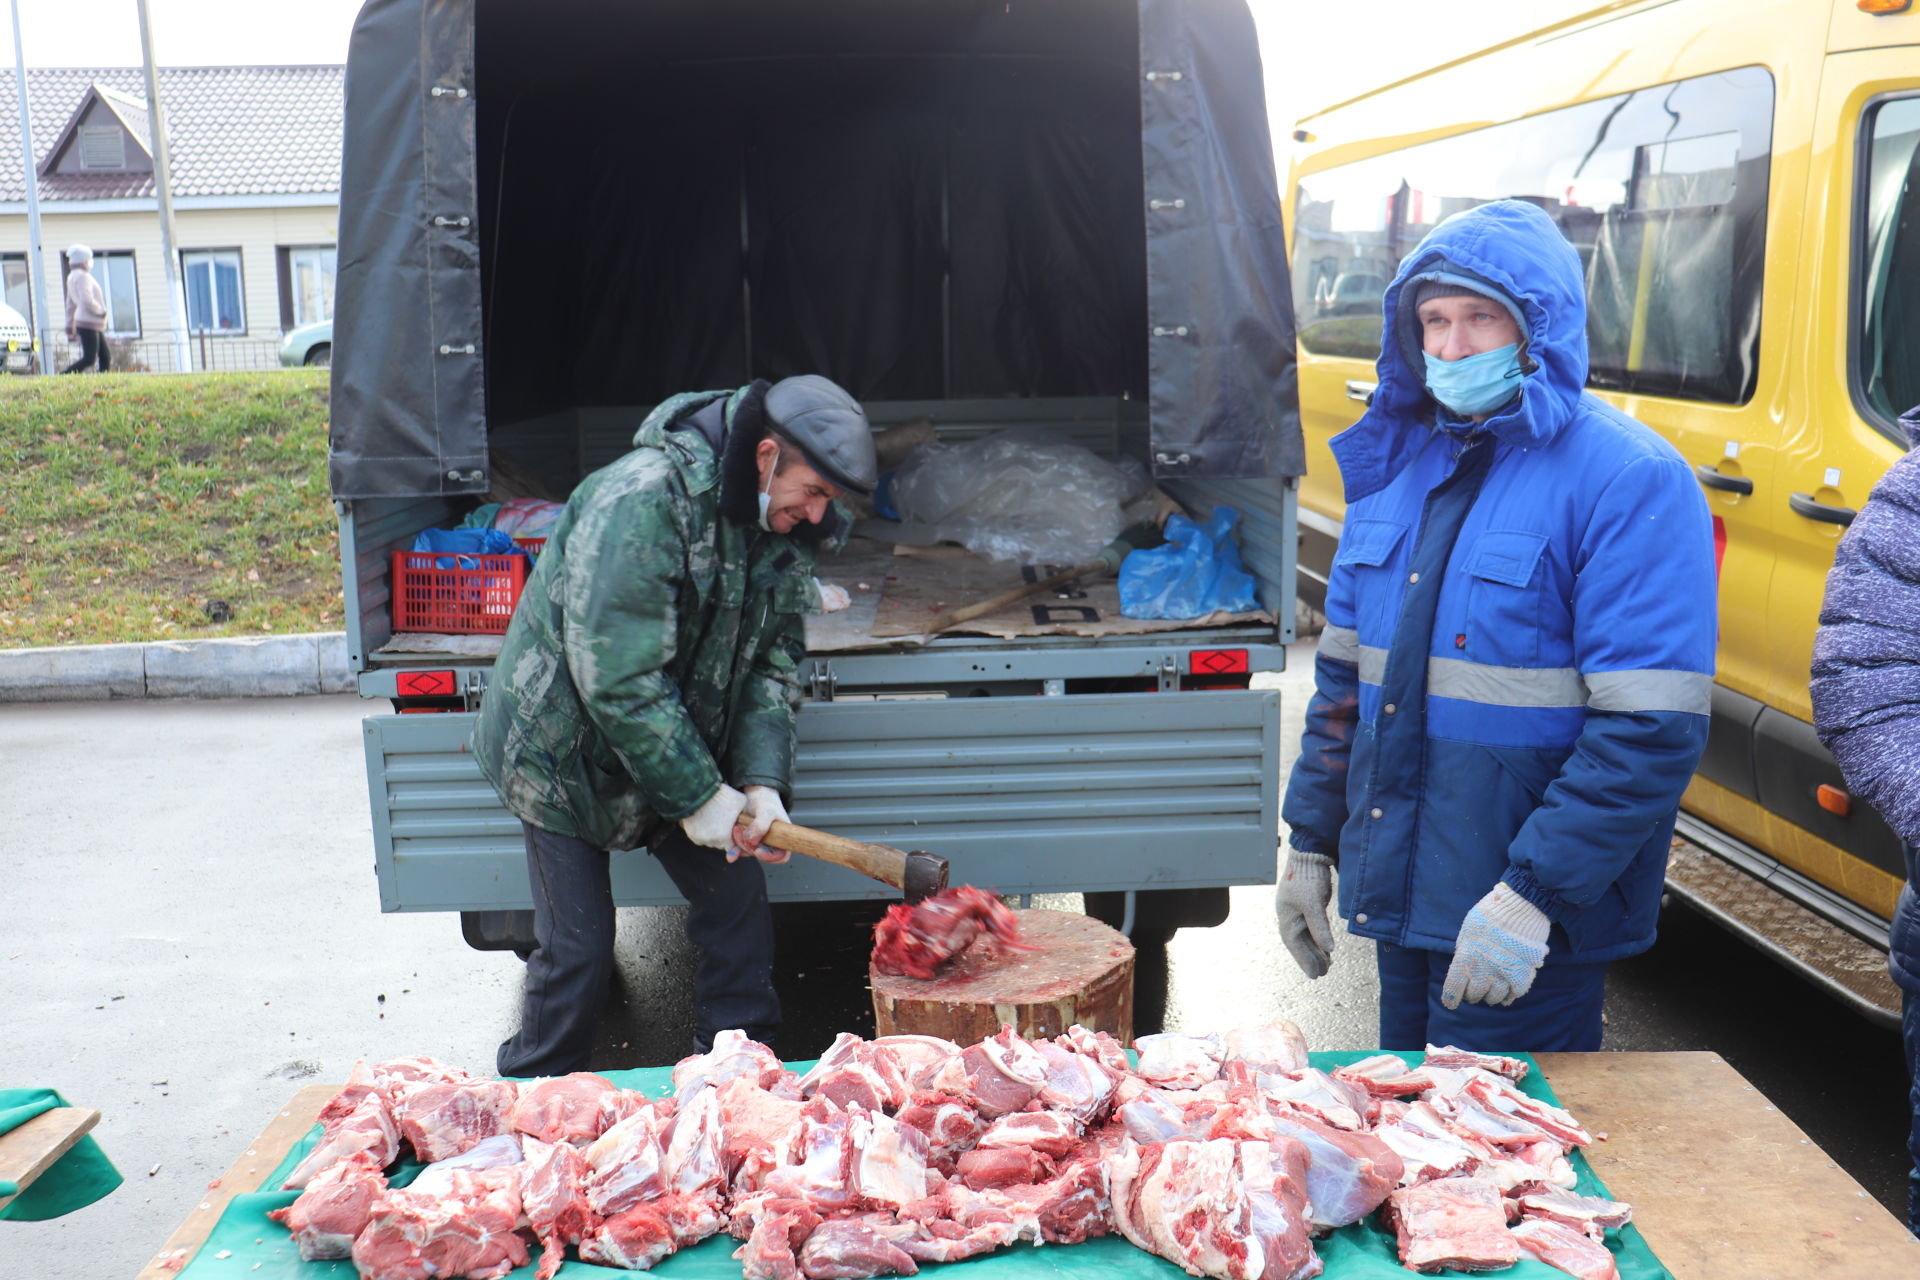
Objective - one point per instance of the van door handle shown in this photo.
(1361, 391)
(1711, 477)
(1803, 504)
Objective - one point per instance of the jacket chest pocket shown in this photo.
(1505, 582)
(1369, 551)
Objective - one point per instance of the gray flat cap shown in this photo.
(829, 426)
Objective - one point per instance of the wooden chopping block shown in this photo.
(1079, 971)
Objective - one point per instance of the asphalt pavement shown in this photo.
(195, 934)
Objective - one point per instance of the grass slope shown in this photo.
(130, 503)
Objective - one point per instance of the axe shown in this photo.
(917, 875)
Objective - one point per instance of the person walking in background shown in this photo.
(1513, 684)
(86, 312)
(1866, 708)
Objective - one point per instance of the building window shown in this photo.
(19, 294)
(213, 291)
(306, 284)
(103, 147)
(113, 272)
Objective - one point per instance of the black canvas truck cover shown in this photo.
(601, 202)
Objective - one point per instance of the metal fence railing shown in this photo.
(155, 351)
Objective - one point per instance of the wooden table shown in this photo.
(1723, 1185)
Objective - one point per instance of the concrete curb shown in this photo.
(240, 667)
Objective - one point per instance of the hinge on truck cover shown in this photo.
(476, 687)
(821, 683)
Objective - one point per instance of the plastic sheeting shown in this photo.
(587, 203)
(260, 1249)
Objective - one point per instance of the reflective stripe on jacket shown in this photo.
(1561, 692)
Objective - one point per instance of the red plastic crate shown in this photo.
(532, 546)
(475, 598)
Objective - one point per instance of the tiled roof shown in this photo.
(231, 131)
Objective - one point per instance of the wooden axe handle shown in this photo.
(882, 862)
(991, 603)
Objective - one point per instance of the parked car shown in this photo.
(309, 344)
(17, 336)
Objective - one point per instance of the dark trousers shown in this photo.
(1910, 1033)
(93, 349)
(728, 922)
(1560, 1013)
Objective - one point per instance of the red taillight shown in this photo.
(1217, 662)
(426, 684)
(1884, 6)
(1833, 799)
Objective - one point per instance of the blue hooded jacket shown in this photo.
(1540, 728)
(1866, 674)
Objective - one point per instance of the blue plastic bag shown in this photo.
(466, 543)
(1197, 572)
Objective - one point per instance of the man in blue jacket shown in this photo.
(1513, 682)
(1866, 708)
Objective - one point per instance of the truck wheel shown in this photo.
(499, 931)
(1158, 912)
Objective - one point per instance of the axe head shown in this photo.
(925, 876)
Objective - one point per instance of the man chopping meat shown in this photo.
(645, 695)
(1514, 678)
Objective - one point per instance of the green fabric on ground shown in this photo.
(1360, 1252)
(76, 1180)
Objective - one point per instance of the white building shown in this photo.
(255, 161)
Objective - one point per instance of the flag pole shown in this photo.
(157, 125)
(40, 319)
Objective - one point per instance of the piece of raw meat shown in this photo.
(626, 1166)
(639, 1237)
(1008, 1074)
(334, 1208)
(1591, 1215)
(366, 1129)
(916, 940)
(499, 1151)
(1063, 1208)
(1500, 1095)
(1098, 1045)
(1160, 1115)
(732, 1057)
(1445, 1055)
(1170, 1061)
(851, 1249)
(1337, 1102)
(1385, 1075)
(472, 1233)
(1047, 1132)
(773, 1241)
(693, 1161)
(1351, 1174)
(1005, 1167)
(917, 1057)
(573, 1108)
(757, 1129)
(439, 1120)
(1452, 1222)
(950, 1125)
(1275, 1177)
(886, 1160)
(1077, 1085)
(1277, 1048)
(1193, 1203)
(1565, 1249)
(818, 1167)
(554, 1198)
(1427, 1147)
(361, 1081)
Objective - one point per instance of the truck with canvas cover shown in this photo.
(1056, 215)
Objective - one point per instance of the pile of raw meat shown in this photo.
(1226, 1155)
(915, 940)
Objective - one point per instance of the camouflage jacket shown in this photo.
(653, 654)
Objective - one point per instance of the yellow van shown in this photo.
(1742, 181)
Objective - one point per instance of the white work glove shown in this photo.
(763, 810)
(711, 825)
(1306, 887)
(1502, 944)
(832, 600)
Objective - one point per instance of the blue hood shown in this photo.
(1514, 249)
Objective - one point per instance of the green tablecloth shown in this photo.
(1359, 1252)
(76, 1180)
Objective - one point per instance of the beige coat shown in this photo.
(86, 305)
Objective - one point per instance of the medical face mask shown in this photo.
(1477, 384)
(766, 495)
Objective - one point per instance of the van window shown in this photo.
(1887, 340)
(1663, 191)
